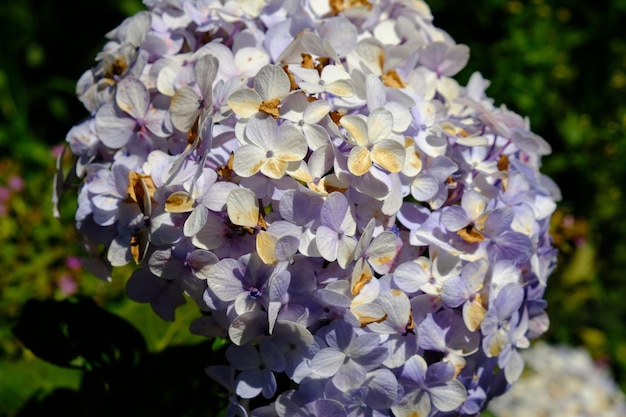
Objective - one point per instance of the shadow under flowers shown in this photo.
(119, 376)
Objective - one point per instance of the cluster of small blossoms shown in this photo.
(354, 221)
(561, 381)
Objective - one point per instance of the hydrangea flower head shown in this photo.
(310, 174)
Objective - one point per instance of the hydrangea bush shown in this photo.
(370, 236)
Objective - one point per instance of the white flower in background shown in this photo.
(561, 381)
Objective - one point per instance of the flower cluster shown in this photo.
(342, 210)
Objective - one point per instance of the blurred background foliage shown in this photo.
(562, 63)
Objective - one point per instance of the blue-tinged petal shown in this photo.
(454, 218)
(513, 246)
(366, 350)
(414, 370)
(334, 210)
(327, 362)
(272, 356)
(272, 82)
(286, 248)
(184, 108)
(222, 280)
(248, 327)
(498, 221)
(164, 296)
(164, 229)
(454, 292)
(132, 97)
(349, 376)
(328, 408)
(205, 70)
(201, 262)
(331, 298)
(212, 234)
(400, 348)
(409, 277)
(249, 384)
(414, 404)
(339, 335)
(449, 396)
(509, 300)
(113, 129)
(430, 336)
(327, 243)
(269, 384)
(424, 187)
(244, 357)
(196, 220)
(118, 253)
(514, 366)
(383, 389)
(439, 373)
(162, 265)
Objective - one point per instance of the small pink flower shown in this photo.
(73, 263)
(55, 151)
(5, 193)
(16, 183)
(67, 285)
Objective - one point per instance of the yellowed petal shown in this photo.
(265, 247)
(179, 202)
(389, 155)
(274, 168)
(359, 161)
(474, 316)
(341, 88)
(242, 207)
(139, 243)
(245, 102)
(357, 128)
(141, 190)
(301, 173)
(361, 275)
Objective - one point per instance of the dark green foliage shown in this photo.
(119, 377)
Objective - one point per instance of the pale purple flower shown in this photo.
(427, 387)
(257, 368)
(334, 237)
(132, 121)
(348, 357)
